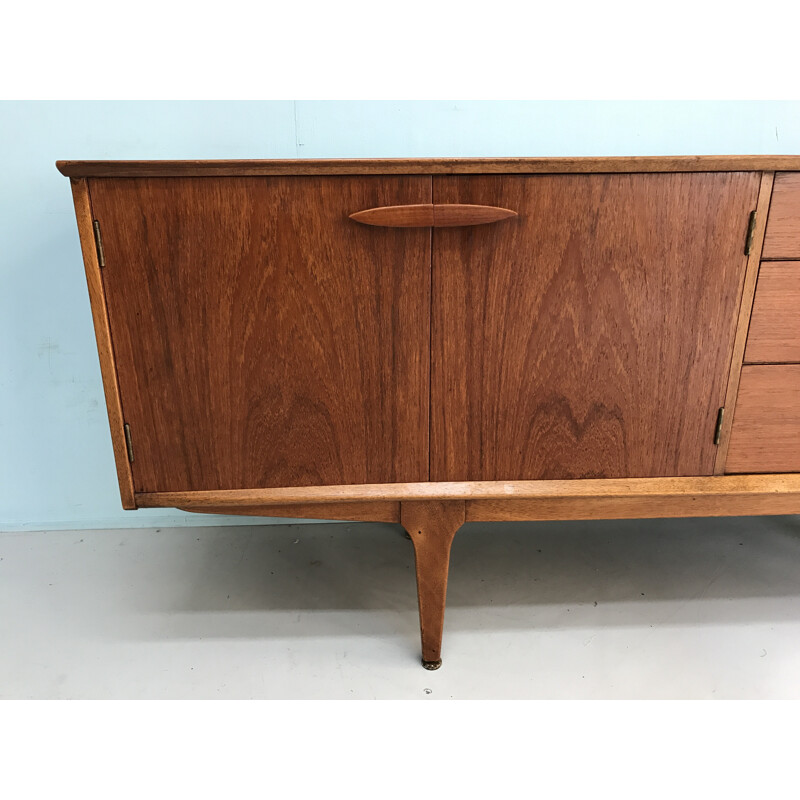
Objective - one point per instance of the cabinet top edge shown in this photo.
(425, 166)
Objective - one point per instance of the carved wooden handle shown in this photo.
(435, 215)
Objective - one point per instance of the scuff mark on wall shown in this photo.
(46, 348)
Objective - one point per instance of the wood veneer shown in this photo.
(556, 352)
(423, 166)
(747, 293)
(766, 428)
(774, 334)
(783, 230)
(262, 338)
(372, 511)
(671, 489)
(105, 348)
(776, 495)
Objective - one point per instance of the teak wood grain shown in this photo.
(743, 319)
(431, 525)
(591, 336)
(604, 504)
(606, 499)
(378, 511)
(644, 507)
(413, 216)
(658, 489)
(450, 215)
(766, 427)
(774, 335)
(783, 229)
(262, 339)
(105, 349)
(424, 166)
(458, 215)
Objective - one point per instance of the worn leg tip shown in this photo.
(431, 664)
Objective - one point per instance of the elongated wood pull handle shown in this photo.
(431, 215)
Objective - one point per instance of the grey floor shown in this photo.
(630, 609)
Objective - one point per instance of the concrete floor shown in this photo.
(630, 609)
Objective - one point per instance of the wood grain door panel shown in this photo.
(590, 336)
(262, 338)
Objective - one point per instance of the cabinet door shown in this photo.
(592, 335)
(261, 337)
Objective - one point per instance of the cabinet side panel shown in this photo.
(263, 338)
(83, 213)
(591, 336)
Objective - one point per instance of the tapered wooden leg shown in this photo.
(432, 524)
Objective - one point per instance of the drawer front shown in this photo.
(766, 425)
(774, 335)
(782, 239)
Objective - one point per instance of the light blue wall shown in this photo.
(56, 463)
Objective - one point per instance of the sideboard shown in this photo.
(435, 341)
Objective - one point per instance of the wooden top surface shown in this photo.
(424, 166)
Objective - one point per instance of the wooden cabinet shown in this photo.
(430, 342)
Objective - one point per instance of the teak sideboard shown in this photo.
(437, 341)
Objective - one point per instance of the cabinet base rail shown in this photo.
(432, 513)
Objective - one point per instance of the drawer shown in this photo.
(774, 335)
(766, 424)
(782, 239)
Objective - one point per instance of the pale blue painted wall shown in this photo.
(56, 463)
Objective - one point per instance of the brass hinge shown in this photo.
(98, 241)
(717, 429)
(128, 442)
(751, 227)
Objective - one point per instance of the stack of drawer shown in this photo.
(766, 425)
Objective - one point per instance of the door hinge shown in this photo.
(128, 442)
(717, 429)
(751, 227)
(98, 241)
